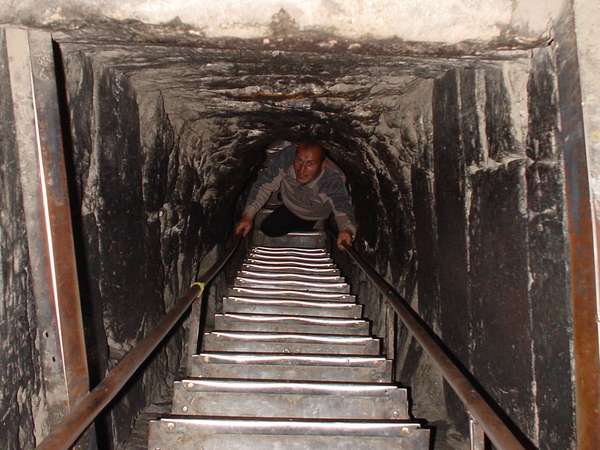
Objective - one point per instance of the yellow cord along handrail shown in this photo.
(81, 416)
(493, 426)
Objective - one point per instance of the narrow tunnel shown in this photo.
(166, 141)
(454, 160)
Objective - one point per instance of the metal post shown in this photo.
(193, 332)
(477, 435)
(390, 338)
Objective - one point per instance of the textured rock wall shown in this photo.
(146, 211)
(121, 275)
(481, 250)
(551, 312)
(502, 268)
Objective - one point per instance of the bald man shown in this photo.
(312, 187)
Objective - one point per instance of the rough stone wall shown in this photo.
(482, 254)
(119, 271)
(145, 211)
(501, 241)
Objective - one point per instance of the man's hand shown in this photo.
(344, 237)
(244, 226)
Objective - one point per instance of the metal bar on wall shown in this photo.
(581, 235)
(48, 218)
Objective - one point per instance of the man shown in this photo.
(311, 187)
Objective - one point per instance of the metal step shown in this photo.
(313, 286)
(279, 251)
(187, 433)
(289, 307)
(291, 259)
(238, 291)
(289, 262)
(285, 249)
(291, 324)
(264, 275)
(291, 269)
(291, 364)
(264, 366)
(243, 341)
(264, 398)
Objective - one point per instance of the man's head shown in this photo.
(308, 162)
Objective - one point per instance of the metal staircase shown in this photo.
(291, 364)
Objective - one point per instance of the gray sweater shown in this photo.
(324, 195)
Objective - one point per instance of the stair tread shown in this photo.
(297, 252)
(291, 302)
(290, 358)
(285, 398)
(310, 258)
(212, 434)
(234, 304)
(293, 249)
(317, 320)
(285, 386)
(288, 293)
(290, 269)
(291, 276)
(306, 283)
(299, 343)
(289, 262)
(309, 426)
(301, 285)
(328, 309)
(291, 323)
(314, 251)
(294, 337)
(375, 373)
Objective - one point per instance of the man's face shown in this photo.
(307, 164)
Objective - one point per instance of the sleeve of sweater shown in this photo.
(335, 193)
(268, 181)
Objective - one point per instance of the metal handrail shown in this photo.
(494, 427)
(91, 405)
